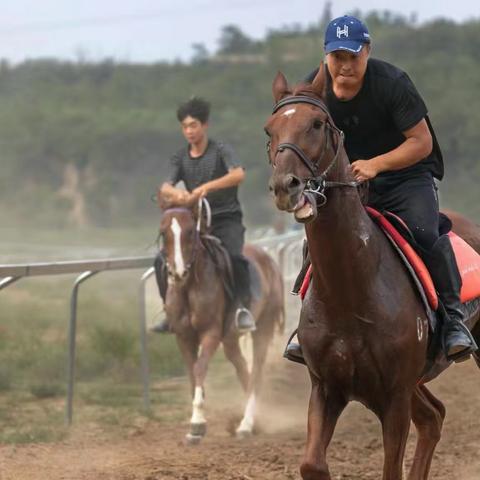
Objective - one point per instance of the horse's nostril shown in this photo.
(292, 183)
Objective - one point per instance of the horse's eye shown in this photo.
(317, 124)
(269, 143)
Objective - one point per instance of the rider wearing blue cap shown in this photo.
(391, 144)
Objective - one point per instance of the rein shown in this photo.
(317, 183)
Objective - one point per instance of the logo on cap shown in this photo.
(343, 31)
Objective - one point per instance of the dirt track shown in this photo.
(154, 451)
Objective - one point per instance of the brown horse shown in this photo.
(201, 315)
(362, 326)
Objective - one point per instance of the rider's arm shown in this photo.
(167, 190)
(234, 177)
(408, 112)
(417, 145)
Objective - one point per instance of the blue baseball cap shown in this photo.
(346, 33)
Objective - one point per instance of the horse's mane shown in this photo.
(167, 201)
(305, 89)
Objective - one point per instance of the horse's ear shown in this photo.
(279, 87)
(319, 82)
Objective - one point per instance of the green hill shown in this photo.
(87, 144)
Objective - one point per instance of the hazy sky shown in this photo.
(148, 30)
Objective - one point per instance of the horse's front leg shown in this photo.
(395, 419)
(323, 412)
(198, 423)
(188, 344)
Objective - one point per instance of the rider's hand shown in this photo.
(201, 191)
(364, 170)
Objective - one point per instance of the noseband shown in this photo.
(317, 183)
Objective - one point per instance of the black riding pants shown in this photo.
(415, 201)
(231, 232)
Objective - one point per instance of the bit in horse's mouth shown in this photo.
(303, 210)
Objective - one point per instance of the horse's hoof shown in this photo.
(243, 434)
(198, 429)
(193, 439)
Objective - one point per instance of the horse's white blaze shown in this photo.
(198, 415)
(177, 247)
(289, 112)
(246, 425)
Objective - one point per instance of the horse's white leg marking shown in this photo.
(246, 425)
(177, 245)
(198, 415)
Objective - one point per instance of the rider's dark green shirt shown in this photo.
(215, 162)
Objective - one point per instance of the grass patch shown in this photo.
(111, 395)
(47, 390)
(33, 435)
(6, 378)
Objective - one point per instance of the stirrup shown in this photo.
(293, 351)
(244, 321)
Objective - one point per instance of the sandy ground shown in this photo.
(154, 450)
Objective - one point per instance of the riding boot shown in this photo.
(458, 342)
(293, 350)
(161, 275)
(244, 320)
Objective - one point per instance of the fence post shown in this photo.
(71, 342)
(143, 339)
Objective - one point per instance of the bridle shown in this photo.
(202, 203)
(317, 183)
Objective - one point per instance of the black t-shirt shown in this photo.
(215, 162)
(373, 121)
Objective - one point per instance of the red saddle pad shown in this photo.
(468, 261)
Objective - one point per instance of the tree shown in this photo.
(326, 16)
(200, 53)
(233, 40)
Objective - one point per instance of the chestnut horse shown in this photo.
(362, 325)
(201, 315)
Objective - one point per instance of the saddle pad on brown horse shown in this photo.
(468, 261)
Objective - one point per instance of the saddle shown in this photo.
(222, 262)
